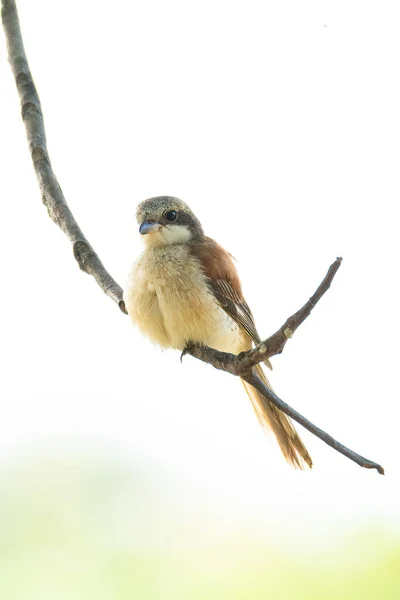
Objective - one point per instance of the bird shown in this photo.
(184, 288)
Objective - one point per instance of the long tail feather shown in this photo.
(271, 418)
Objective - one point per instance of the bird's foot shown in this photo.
(188, 346)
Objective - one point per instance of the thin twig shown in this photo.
(52, 195)
(322, 435)
(276, 342)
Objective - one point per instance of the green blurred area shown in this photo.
(97, 528)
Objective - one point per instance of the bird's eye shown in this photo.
(171, 216)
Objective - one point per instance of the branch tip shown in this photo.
(122, 307)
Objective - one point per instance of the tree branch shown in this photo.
(322, 435)
(243, 363)
(89, 262)
(242, 366)
(52, 195)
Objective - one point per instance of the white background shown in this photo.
(278, 123)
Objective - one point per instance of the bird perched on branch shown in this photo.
(184, 288)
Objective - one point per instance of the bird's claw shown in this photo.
(187, 348)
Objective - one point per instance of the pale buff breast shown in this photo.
(168, 298)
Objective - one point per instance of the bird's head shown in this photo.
(166, 220)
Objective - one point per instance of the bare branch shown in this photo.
(242, 366)
(322, 435)
(243, 363)
(52, 195)
(276, 342)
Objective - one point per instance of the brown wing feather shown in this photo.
(236, 308)
(225, 283)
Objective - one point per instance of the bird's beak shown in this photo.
(148, 227)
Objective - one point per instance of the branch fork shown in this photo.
(242, 366)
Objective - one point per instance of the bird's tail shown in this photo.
(271, 418)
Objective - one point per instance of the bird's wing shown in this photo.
(236, 307)
(224, 281)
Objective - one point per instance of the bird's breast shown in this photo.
(169, 299)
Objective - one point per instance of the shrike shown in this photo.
(185, 288)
